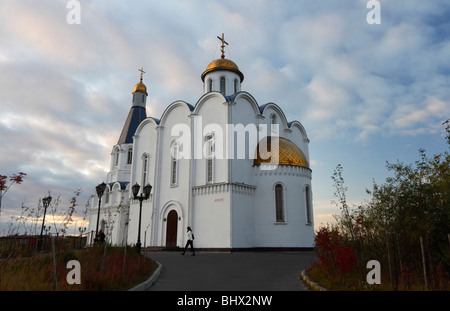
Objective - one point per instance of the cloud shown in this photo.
(413, 120)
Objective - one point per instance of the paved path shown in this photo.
(236, 271)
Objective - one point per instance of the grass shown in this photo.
(98, 272)
(356, 281)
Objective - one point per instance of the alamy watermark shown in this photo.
(235, 141)
(74, 15)
(374, 275)
(74, 275)
(374, 15)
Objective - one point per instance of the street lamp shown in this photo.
(100, 189)
(46, 202)
(81, 230)
(142, 197)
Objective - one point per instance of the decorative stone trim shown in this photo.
(284, 170)
(238, 188)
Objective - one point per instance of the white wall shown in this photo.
(211, 217)
(230, 77)
(293, 232)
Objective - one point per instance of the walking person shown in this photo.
(101, 236)
(190, 241)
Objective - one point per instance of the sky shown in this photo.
(366, 93)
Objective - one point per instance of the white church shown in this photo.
(235, 171)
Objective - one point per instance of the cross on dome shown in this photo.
(222, 48)
(140, 86)
(142, 72)
(222, 63)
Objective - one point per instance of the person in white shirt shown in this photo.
(190, 241)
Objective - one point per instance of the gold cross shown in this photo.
(222, 48)
(142, 72)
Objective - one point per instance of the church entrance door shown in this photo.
(172, 228)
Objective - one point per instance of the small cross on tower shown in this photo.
(222, 48)
(142, 72)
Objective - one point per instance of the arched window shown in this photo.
(222, 85)
(273, 119)
(144, 169)
(106, 195)
(235, 86)
(209, 158)
(308, 205)
(279, 203)
(273, 124)
(116, 157)
(210, 82)
(174, 164)
(130, 156)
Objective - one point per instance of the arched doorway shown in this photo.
(172, 229)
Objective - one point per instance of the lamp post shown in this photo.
(81, 230)
(46, 202)
(142, 197)
(100, 189)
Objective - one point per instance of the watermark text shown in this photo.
(74, 15)
(374, 15)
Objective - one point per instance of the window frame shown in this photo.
(209, 138)
(174, 163)
(210, 85)
(308, 205)
(280, 212)
(130, 156)
(223, 85)
(145, 165)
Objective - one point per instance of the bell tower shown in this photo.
(222, 75)
(137, 112)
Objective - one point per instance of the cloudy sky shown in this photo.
(366, 93)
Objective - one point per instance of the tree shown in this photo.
(14, 179)
(341, 202)
(405, 224)
(412, 204)
(447, 129)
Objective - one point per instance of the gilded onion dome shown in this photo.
(222, 64)
(140, 86)
(279, 151)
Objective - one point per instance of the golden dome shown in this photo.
(140, 87)
(222, 64)
(287, 154)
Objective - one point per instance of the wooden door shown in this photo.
(172, 228)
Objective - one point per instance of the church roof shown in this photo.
(156, 120)
(123, 184)
(134, 118)
(285, 152)
(140, 86)
(222, 64)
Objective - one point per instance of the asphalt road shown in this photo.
(236, 271)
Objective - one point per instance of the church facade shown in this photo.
(235, 171)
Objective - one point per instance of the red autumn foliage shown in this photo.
(333, 252)
(3, 182)
(16, 178)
